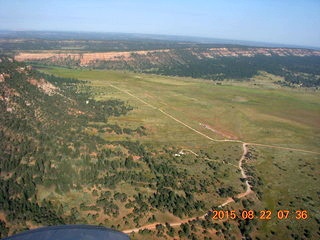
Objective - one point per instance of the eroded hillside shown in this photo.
(298, 67)
(159, 56)
(45, 140)
(60, 164)
(156, 170)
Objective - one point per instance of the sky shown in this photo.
(274, 21)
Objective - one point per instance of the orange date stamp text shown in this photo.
(260, 215)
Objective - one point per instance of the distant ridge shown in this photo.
(212, 59)
(66, 35)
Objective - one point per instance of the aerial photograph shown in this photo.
(172, 119)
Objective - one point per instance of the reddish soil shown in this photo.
(223, 133)
(43, 85)
(84, 58)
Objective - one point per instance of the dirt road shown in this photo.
(240, 164)
(229, 200)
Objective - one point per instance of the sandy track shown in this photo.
(206, 136)
(284, 148)
(172, 117)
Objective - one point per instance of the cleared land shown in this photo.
(280, 125)
(281, 117)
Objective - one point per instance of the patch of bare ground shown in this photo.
(222, 133)
(31, 225)
(3, 217)
(75, 112)
(23, 56)
(5, 176)
(136, 157)
(88, 58)
(110, 146)
(226, 202)
(84, 58)
(44, 86)
(8, 92)
(7, 97)
(3, 76)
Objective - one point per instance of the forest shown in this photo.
(67, 158)
(40, 134)
(185, 58)
(46, 143)
(294, 70)
(12, 41)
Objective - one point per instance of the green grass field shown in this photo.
(274, 116)
(281, 117)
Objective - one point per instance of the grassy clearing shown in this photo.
(290, 182)
(251, 113)
(270, 116)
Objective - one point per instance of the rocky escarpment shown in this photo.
(298, 67)
(158, 56)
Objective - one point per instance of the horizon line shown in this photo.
(196, 39)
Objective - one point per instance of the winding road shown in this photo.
(243, 174)
(229, 200)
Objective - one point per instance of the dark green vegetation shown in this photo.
(303, 71)
(281, 179)
(56, 169)
(294, 71)
(172, 57)
(85, 45)
(96, 42)
(86, 151)
(41, 132)
(90, 43)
